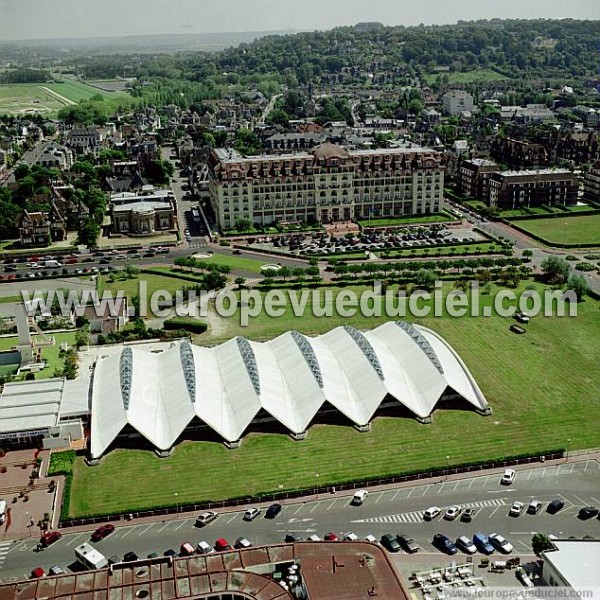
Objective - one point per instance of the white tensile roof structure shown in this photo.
(289, 377)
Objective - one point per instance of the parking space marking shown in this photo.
(133, 528)
(457, 484)
(167, 523)
(410, 493)
(394, 496)
(147, 529)
(494, 512)
(234, 516)
(74, 539)
(594, 500)
(473, 480)
(184, 522)
(526, 546)
(379, 497)
(582, 502)
(299, 509)
(315, 506)
(426, 489)
(331, 505)
(441, 487)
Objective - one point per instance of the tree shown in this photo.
(556, 270)
(242, 224)
(579, 285)
(239, 281)
(425, 278)
(540, 542)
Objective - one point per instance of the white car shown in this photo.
(242, 543)
(350, 537)
(508, 477)
(359, 497)
(205, 518)
(466, 545)
(204, 548)
(313, 537)
(534, 507)
(431, 513)
(371, 538)
(501, 543)
(452, 512)
(516, 509)
(251, 514)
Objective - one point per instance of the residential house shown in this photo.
(104, 319)
(590, 116)
(54, 156)
(83, 140)
(518, 154)
(591, 182)
(455, 102)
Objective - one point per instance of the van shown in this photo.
(2, 511)
(359, 497)
(52, 263)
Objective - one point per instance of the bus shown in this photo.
(89, 557)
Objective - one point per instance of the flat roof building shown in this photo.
(571, 564)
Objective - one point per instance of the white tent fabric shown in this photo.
(290, 377)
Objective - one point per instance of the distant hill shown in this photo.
(150, 44)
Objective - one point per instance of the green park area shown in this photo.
(539, 386)
(583, 229)
(473, 76)
(412, 220)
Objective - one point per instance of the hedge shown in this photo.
(61, 463)
(184, 323)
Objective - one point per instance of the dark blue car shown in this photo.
(444, 543)
(483, 543)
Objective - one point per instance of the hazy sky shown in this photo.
(35, 19)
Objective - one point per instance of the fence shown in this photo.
(288, 495)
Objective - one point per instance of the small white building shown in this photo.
(571, 564)
(455, 102)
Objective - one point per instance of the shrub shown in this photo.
(571, 257)
(586, 267)
(61, 463)
(191, 325)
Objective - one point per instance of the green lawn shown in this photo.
(413, 220)
(565, 230)
(77, 91)
(457, 250)
(539, 385)
(26, 98)
(131, 287)
(474, 76)
(239, 262)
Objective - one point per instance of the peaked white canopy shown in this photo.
(289, 377)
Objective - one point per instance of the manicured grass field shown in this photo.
(456, 250)
(540, 385)
(475, 76)
(238, 262)
(77, 91)
(131, 287)
(565, 230)
(415, 220)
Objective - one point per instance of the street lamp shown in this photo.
(176, 503)
(447, 466)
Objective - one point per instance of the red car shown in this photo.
(102, 532)
(222, 545)
(37, 573)
(50, 537)
(331, 537)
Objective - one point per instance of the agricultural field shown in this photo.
(539, 386)
(568, 230)
(474, 76)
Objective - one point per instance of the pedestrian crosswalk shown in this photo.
(416, 516)
(4, 548)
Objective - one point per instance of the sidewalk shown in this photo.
(591, 455)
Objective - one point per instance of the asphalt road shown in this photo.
(395, 510)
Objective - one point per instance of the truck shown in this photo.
(89, 557)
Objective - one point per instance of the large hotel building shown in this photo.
(327, 185)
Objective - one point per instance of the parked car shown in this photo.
(251, 514)
(467, 515)
(170, 552)
(359, 497)
(407, 543)
(350, 537)
(273, 510)
(222, 545)
(466, 545)
(313, 537)
(508, 477)
(370, 538)
(102, 532)
(49, 538)
(152, 555)
(522, 317)
(501, 543)
(37, 573)
(482, 542)
(292, 537)
(431, 513)
(204, 548)
(534, 507)
(444, 543)
(205, 518)
(554, 506)
(452, 512)
(113, 560)
(130, 557)
(242, 543)
(186, 549)
(517, 329)
(588, 512)
(56, 570)
(516, 509)
(331, 537)
(390, 543)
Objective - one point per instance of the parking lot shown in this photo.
(370, 240)
(395, 510)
